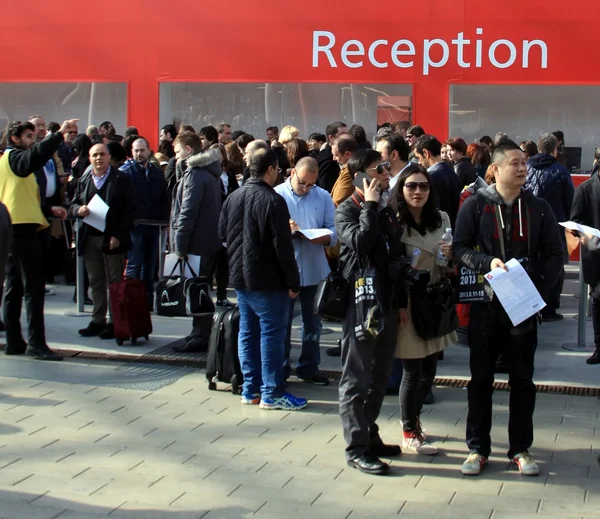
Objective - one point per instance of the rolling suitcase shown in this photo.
(222, 362)
(129, 305)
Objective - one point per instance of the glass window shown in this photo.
(310, 107)
(91, 103)
(525, 111)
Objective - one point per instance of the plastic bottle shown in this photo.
(441, 260)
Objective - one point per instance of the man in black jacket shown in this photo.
(151, 204)
(457, 153)
(329, 169)
(24, 271)
(255, 225)
(446, 184)
(495, 225)
(586, 210)
(370, 234)
(103, 250)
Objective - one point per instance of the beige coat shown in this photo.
(410, 345)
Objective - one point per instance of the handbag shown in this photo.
(177, 296)
(331, 298)
(367, 305)
(432, 310)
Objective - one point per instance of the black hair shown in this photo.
(211, 133)
(360, 136)
(416, 131)
(394, 141)
(82, 145)
(260, 161)
(237, 134)
(244, 140)
(361, 160)
(431, 219)
(16, 129)
(98, 139)
(319, 137)
(109, 127)
(502, 146)
(116, 151)
(486, 139)
(166, 148)
(53, 127)
(429, 143)
(128, 144)
(131, 130)
(559, 135)
(347, 144)
(333, 128)
(170, 129)
(273, 129)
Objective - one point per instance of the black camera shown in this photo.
(401, 269)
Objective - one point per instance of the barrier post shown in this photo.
(80, 277)
(581, 316)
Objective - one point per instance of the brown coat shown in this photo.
(342, 189)
(410, 345)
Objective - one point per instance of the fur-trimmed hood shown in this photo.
(209, 160)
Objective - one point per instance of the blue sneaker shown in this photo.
(286, 402)
(253, 399)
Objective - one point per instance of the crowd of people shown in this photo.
(400, 213)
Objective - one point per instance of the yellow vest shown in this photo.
(21, 196)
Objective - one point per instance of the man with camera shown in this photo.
(370, 236)
(499, 223)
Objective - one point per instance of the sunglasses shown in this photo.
(412, 186)
(381, 167)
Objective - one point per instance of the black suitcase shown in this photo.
(222, 362)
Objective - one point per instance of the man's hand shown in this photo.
(67, 126)
(294, 226)
(325, 241)
(113, 243)
(83, 211)
(585, 238)
(292, 294)
(403, 316)
(497, 263)
(59, 212)
(181, 256)
(371, 190)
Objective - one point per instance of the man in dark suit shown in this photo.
(329, 169)
(104, 250)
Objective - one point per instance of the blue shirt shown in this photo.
(315, 210)
(99, 181)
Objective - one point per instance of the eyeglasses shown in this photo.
(303, 184)
(409, 135)
(381, 167)
(412, 186)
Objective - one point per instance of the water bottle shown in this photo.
(441, 260)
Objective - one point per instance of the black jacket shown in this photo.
(528, 229)
(255, 225)
(551, 181)
(329, 169)
(370, 235)
(586, 210)
(150, 190)
(196, 205)
(447, 188)
(465, 171)
(120, 197)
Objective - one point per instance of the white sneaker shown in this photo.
(49, 292)
(526, 465)
(416, 443)
(474, 464)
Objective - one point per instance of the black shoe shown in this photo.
(19, 349)
(44, 353)
(93, 329)
(225, 303)
(429, 398)
(2, 326)
(334, 352)
(108, 332)
(381, 450)
(369, 464)
(192, 345)
(552, 317)
(595, 358)
(318, 379)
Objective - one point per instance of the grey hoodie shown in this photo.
(197, 205)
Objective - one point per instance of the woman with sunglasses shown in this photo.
(423, 226)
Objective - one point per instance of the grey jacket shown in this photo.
(197, 205)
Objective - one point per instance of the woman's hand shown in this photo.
(446, 249)
(403, 316)
(585, 238)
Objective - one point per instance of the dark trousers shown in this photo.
(489, 329)
(201, 325)
(5, 243)
(143, 256)
(553, 302)
(222, 274)
(417, 379)
(596, 320)
(24, 278)
(366, 368)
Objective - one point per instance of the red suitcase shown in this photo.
(129, 305)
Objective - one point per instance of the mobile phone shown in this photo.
(358, 180)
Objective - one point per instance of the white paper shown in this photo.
(313, 234)
(98, 211)
(574, 226)
(171, 261)
(515, 291)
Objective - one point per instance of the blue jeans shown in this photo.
(261, 350)
(310, 358)
(143, 256)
